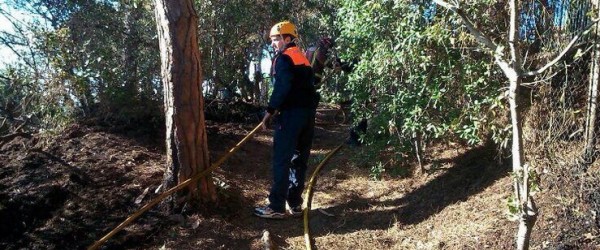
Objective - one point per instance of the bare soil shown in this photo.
(66, 191)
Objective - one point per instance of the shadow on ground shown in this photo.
(471, 173)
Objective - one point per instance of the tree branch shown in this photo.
(447, 5)
(564, 52)
(4, 77)
(8, 44)
(513, 43)
(17, 26)
(480, 36)
(9, 137)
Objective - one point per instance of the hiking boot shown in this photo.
(295, 211)
(268, 213)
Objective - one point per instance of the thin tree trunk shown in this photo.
(187, 149)
(511, 65)
(130, 57)
(592, 105)
(258, 77)
(418, 151)
(214, 50)
(527, 209)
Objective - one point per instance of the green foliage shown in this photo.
(227, 40)
(513, 209)
(232, 34)
(408, 81)
(377, 171)
(333, 88)
(534, 181)
(16, 98)
(100, 58)
(25, 103)
(93, 59)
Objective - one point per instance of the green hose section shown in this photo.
(309, 194)
(162, 196)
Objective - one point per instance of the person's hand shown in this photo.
(266, 121)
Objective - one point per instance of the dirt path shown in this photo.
(351, 211)
(66, 191)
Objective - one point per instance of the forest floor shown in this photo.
(66, 191)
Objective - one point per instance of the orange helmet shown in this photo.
(284, 28)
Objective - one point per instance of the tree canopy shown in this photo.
(419, 73)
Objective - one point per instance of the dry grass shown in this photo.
(460, 203)
(378, 214)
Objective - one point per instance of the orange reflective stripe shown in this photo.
(297, 56)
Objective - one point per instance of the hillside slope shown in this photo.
(68, 190)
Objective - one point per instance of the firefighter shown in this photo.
(291, 114)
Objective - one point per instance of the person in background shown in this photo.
(291, 114)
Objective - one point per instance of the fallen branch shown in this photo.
(10, 137)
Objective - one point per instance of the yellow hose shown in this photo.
(162, 196)
(309, 195)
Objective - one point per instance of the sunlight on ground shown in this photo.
(460, 225)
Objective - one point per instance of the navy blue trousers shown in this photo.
(294, 130)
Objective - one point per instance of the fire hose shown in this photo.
(153, 202)
(309, 194)
(174, 189)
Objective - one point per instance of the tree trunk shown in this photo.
(187, 149)
(527, 208)
(214, 50)
(511, 65)
(514, 73)
(258, 77)
(130, 56)
(418, 151)
(592, 105)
